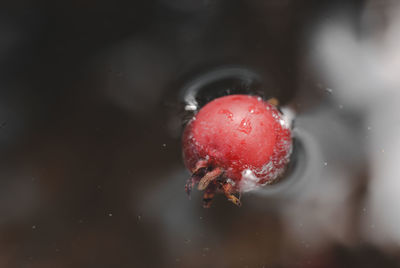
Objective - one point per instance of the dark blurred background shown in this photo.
(91, 110)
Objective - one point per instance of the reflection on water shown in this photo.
(92, 106)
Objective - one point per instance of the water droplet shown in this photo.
(110, 214)
(325, 163)
(33, 227)
(329, 90)
(369, 127)
(340, 106)
(245, 126)
(226, 112)
(164, 145)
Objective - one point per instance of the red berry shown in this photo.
(236, 143)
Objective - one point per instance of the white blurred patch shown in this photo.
(383, 204)
(358, 69)
(365, 73)
(288, 116)
(249, 181)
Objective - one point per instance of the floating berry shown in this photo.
(235, 144)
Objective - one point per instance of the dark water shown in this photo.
(92, 104)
